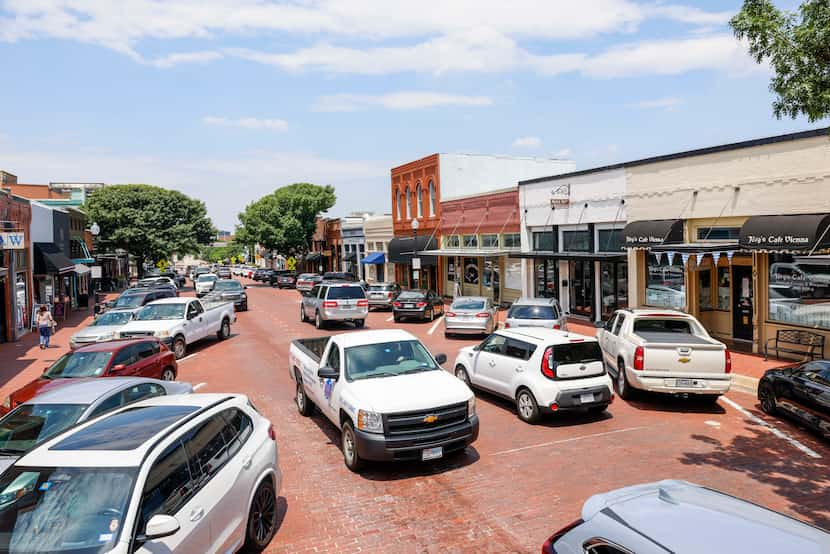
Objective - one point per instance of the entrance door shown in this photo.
(742, 302)
(582, 287)
(3, 313)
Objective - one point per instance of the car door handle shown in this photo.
(492, 363)
(519, 369)
(196, 514)
(247, 462)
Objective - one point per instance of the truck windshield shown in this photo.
(161, 311)
(387, 359)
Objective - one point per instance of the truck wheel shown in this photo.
(623, 387)
(767, 398)
(349, 444)
(461, 373)
(224, 331)
(168, 374)
(304, 405)
(179, 348)
(318, 321)
(526, 406)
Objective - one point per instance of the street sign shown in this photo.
(291, 263)
(12, 241)
(416, 263)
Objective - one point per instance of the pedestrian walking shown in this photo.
(46, 325)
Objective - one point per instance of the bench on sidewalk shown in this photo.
(795, 341)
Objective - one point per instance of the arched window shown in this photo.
(419, 198)
(400, 204)
(432, 203)
(409, 202)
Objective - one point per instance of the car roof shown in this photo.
(111, 345)
(659, 312)
(52, 453)
(174, 300)
(85, 390)
(684, 517)
(528, 301)
(550, 336)
(360, 338)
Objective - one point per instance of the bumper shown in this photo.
(380, 302)
(670, 385)
(462, 327)
(371, 446)
(421, 314)
(344, 315)
(571, 399)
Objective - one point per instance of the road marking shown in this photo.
(200, 385)
(188, 357)
(434, 327)
(572, 439)
(390, 318)
(711, 423)
(771, 428)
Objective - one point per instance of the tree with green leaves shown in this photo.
(286, 218)
(229, 253)
(797, 47)
(149, 222)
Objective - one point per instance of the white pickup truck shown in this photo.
(179, 322)
(664, 351)
(386, 393)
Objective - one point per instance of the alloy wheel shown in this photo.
(263, 515)
(525, 405)
(168, 375)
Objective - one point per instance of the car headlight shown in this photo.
(371, 422)
(471, 406)
(163, 333)
(106, 336)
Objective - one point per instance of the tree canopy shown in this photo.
(230, 253)
(149, 222)
(286, 218)
(798, 49)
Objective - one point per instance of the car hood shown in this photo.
(404, 393)
(97, 330)
(34, 388)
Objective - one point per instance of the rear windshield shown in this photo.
(228, 285)
(532, 312)
(411, 294)
(467, 305)
(345, 293)
(675, 325)
(381, 287)
(577, 353)
(130, 301)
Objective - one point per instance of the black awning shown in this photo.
(50, 260)
(644, 234)
(802, 233)
(545, 254)
(402, 250)
(697, 247)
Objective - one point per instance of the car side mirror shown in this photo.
(441, 359)
(328, 373)
(160, 526)
(119, 367)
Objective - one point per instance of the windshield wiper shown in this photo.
(414, 370)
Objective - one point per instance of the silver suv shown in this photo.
(335, 302)
(536, 312)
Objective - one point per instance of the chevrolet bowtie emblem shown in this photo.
(431, 418)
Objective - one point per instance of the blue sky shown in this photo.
(227, 100)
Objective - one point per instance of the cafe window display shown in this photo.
(471, 271)
(666, 287)
(799, 290)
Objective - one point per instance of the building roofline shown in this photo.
(812, 133)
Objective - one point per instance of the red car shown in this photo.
(124, 358)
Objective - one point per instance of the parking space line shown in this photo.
(188, 357)
(198, 386)
(434, 327)
(571, 439)
(771, 428)
(390, 318)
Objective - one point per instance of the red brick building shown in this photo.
(15, 270)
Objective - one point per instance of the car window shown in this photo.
(126, 356)
(145, 350)
(618, 325)
(198, 307)
(239, 428)
(346, 293)
(609, 325)
(168, 485)
(669, 325)
(79, 364)
(333, 359)
(519, 349)
(207, 450)
(519, 311)
(108, 404)
(192, 310)
(30, 424)
(494, 344)
(577, 353)
(315, 291)
(469, 304)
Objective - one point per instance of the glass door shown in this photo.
(613, 287)
(582, 287)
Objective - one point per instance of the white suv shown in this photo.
(542, 370)
(176, 474)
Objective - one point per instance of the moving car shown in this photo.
(801, 391)
(419, 303)
(335, 302)
(230, 290)
(386, 393)
(536, 312)
(176, 474)
(155, 281)
(72, 401)
(470, 315)
(664, 351)
(541, 370)
(105, 327)
(136, 298)
(204, 283)
(177, 278)
(194, 275)
(145, 357)
(677, 516)
(283, 279)
(305, 281)
(180, 322)
(223, 272)
(381, 295)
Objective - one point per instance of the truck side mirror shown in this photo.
(441, 359)
(328, 373)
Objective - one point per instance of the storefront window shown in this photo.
(492, 278)
(21, 319)
(718, 233)
(544, 241)
(666, 283)
(614, 286)
(576, 241)
(450, 269)
(724, 288)
(513, 274)
(452, 241)
(610, 240)
(799, 290)
(471, 271)
(511, 240)
(704, 280)
(490, 241)
(433, 205)
(545, 277)
(470, 241)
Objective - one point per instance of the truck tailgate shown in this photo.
(686, 354)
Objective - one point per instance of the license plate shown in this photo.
(586, 397)
(432, 453)
(409, 305)
(684, 383)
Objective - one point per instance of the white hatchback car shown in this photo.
(183, 474)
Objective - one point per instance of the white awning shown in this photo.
(82, 269)
(470, 252)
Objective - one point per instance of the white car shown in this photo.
(664, 351)
(542, 370)
(105, 327)
(204, 283)
(176, 474)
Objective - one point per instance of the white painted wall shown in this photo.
(41, 229)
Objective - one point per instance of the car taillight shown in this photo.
(390, 294)
(421, 305)
(728, 361)
(330, 304)
(557, 326)
(450, 314)
(362, 303)
(639, 358)
(271, 433)
(483, 315)
(506, 325)
(547, 548)
(547, 364)
(396, 304)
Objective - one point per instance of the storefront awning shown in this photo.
(645, 234)
(82, 269)
(50, 260)
(602, 256)
(374, 258)
(697, 247)
(402, 250)
(786, 233)
(469, 252)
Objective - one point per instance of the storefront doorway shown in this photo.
(742, 303)
(582, 287)
(545, 279)
(613, 287)
(3, 312)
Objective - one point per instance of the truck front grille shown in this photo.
(421, 421)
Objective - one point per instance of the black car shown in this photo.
(136, 298)
(263, 275)
(230, 290)
(421, 304)
(801, 391)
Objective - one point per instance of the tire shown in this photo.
(168, 374)
(360, 323)
(303, 318)
(318, 321)
(766, 396)
(461, 373)
(245, 307)
(179, 347)
(224, 330)
(262, 518)
(526, 406)
(348, 443)
(623, 386)
(304, 405)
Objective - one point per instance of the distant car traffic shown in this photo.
(419, 303)
(204, 283)
(105, 327)
(536, 312)
(335, 302)
(381, 295)
(230, 290)
(223, 272)
(194, 275)
(174, 474)
(72, 401)
(156, 281)
(262, 275)
(284, 280)
(305, 281)
(676, 516)
(470, 315)
(800, 391)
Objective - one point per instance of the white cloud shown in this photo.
(527, 142)
(667, 103)
(405, 100)
(247, 123)
(171, 60)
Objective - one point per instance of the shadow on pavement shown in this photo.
(655, 402)
(560, 419)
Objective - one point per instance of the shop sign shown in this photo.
(12, 241)
(416, 263)
(634, 240)
(776, 239)
(560, 195)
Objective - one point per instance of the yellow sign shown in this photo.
(291, 263)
